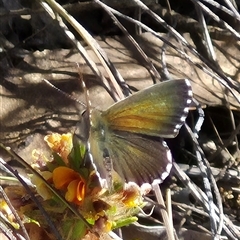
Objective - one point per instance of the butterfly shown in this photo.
(130, 132)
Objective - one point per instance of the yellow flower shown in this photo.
(65, 178)
(61, 144)
(132, 196)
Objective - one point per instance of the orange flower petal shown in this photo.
(80, 190)
(76, 191)
(72, 191)
(62, 176)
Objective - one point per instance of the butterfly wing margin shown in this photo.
(159, 110)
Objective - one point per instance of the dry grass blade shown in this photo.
(166, 216)
(217, 19)
(7, 200)
(205, 66)
(232, 230)
(94, 45)
(144, 58)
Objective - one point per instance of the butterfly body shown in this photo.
(131, 131)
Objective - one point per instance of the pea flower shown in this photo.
(67, 179)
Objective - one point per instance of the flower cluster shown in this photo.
(75, 179)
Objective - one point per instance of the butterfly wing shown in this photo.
(139, 159)
(130, 130)
(159, 110)
(135, 157)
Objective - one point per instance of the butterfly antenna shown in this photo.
(85, 90)
(63, 93)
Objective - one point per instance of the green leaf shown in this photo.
(124, 222)
(76, 156)
(73, 229)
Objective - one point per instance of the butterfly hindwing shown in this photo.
(139, 158)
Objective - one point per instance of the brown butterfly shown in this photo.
(130, 132)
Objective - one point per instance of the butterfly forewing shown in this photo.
(159, 110)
